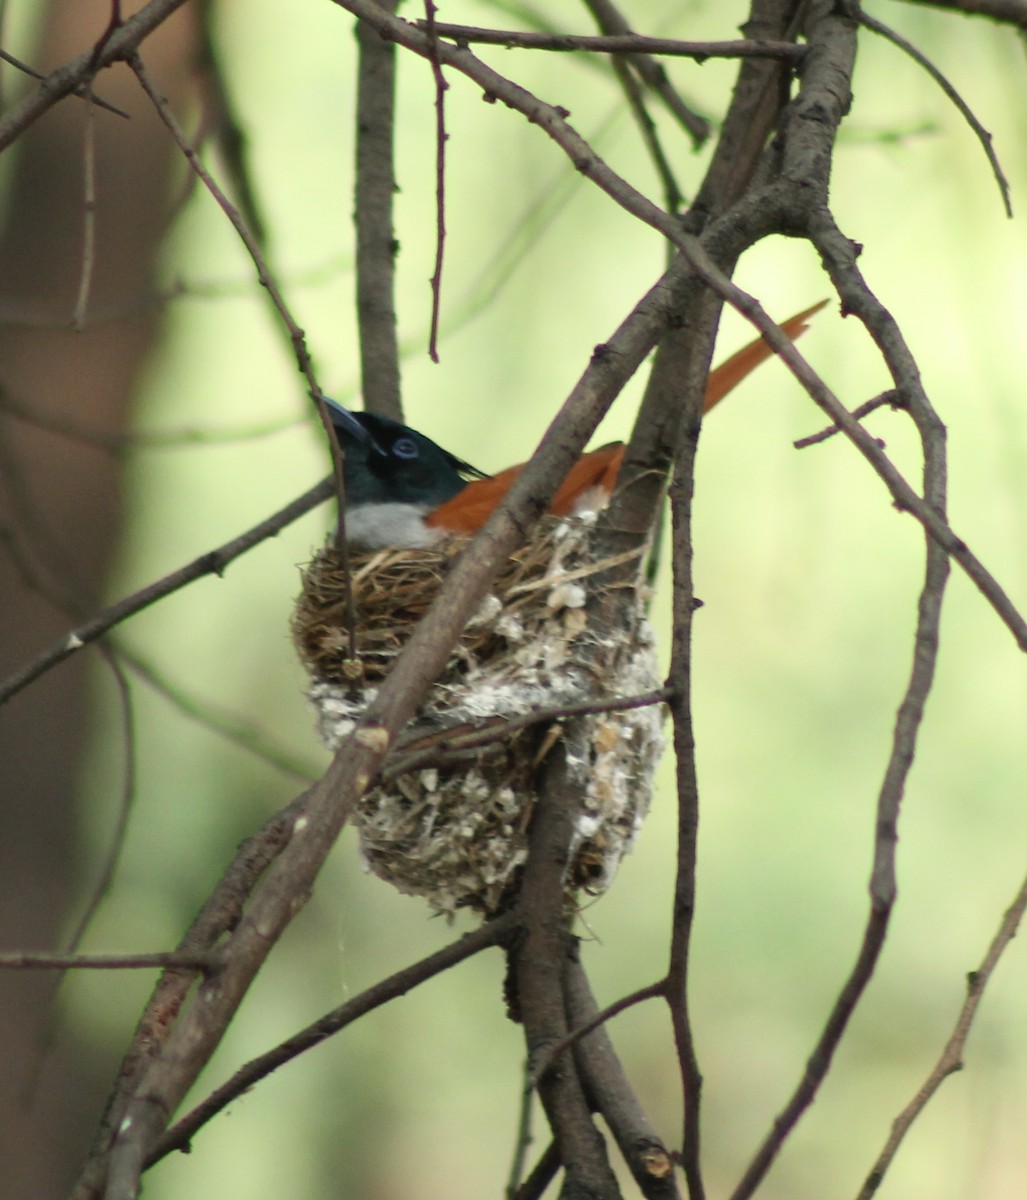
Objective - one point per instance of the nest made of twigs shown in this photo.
(453, 827)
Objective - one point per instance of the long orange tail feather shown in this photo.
(733, 370)
(470, 508)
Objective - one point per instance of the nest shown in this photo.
(448, 819)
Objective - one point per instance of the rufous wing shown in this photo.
(468, 510)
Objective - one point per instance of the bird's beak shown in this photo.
(343, 419)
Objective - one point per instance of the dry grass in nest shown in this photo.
(454, 831)
(392, 589)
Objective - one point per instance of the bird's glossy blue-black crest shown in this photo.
(387, 462)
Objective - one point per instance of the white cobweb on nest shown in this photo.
(455, 830)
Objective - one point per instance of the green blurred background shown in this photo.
(809, 579)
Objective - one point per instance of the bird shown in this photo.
(404, 490)
(451, 825)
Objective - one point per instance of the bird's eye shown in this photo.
(405, 447)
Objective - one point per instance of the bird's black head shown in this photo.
(390, 463)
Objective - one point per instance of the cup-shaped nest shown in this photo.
(449, 815)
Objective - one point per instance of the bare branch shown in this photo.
(820, 1060)
(538, 970)
(608, 1089)
(588, 1021)
(126, 803)
(375, 187)
(626, 43)
(857, 298)
(681, 496)
(221, 912)
(542, 1174)
(29, 961)
(69, 79)
(440, 179)
(212, 563)
(882, 881)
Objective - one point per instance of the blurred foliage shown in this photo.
(809, 580)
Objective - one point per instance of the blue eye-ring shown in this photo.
(405, 447)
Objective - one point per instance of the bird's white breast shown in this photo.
(376, 526)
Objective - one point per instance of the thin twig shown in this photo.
(85, 281)
(114, 23)
(236, 729)
(213, 562)
(673, 197)
(126, 803)
(903, 495)
(398, 984)
(891, 397)
(524, 1136)
(819, 1061)
(677, 984)
(594, 1021)
(440, 179)
(84, 92)
(1012, 11)
(951, 1058)
(70, 78)
(246, 236)
(375, 189)
(428, 748)
(983, 136)
(44, 961)
(631, 43)
(611, 1093)
(612, 23)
